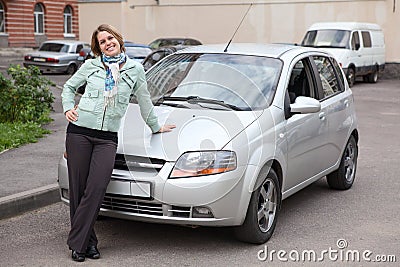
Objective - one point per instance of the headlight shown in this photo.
(204, 163)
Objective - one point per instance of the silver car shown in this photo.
(255, 124)
(57, 56)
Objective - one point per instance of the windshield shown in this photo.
(54, 47)
(242, 82)
(327, 38)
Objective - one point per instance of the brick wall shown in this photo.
(20, 22)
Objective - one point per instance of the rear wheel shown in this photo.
(373, 77)
(343, 177)
(71, 69)
(262, 212)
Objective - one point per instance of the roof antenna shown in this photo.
(226, 48)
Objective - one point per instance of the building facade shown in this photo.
(28, 23)
(214, 21)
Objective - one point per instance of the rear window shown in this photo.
(54, 47)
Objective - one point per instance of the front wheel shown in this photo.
(262, 212)
(351, 77)
(343, 177)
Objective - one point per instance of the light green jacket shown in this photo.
(91, 106)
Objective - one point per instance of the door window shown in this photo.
(300, 83)
(326, 70)
(355, 41)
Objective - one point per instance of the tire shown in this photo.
(373, 77)
(351, 77)
(257, 230)
(343, 177)
(71, 69)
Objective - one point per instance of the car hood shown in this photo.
(196, 129)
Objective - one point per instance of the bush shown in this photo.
(26, 97)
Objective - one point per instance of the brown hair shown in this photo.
(95, 46)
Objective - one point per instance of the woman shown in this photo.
(91, 140)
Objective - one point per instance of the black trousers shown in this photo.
(90, 164)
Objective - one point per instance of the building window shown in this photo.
(68, 20)
(2, 19)
(39, 18)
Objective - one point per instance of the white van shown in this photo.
(358, 47)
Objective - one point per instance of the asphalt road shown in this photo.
(366, 217)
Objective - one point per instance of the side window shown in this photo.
(366, 39)
(300, 83)
(79, 48)
(328, 77)
(339, 73)
(355, 41)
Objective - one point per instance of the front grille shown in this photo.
(131, 163)
(182, 212)
(132, 205)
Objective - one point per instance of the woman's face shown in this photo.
(109, 45)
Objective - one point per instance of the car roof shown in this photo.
(65, 41)
(131, 44)
(344, 26)
(255, 49)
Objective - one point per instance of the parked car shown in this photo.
(161, 42)
(255, 124)
(56, 56)
(137, 52)
(159, 54)
(358, 47)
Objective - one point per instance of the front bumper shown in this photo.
(212, 200)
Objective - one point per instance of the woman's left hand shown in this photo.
(166, 128)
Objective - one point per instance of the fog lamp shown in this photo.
(202, 212)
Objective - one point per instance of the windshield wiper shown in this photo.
(196, 100)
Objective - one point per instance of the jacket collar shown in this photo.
(128, 64)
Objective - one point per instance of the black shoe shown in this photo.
(76, 256)
(92, 252)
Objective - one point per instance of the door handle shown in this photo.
(322, 116)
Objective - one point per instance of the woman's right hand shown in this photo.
(72, 114)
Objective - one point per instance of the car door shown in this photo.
(336, 107)
(306, 134)
(355, 54)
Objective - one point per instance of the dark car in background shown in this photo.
(161, 42)
(137, 52)
(57, 56)
(159, 54)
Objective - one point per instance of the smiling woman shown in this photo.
(91, 141)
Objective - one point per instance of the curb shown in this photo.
(29, 200)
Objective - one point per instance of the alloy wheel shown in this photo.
(267, 204)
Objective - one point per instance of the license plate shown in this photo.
(39, 59)
(128, 188)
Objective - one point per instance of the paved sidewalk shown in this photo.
(29, 173)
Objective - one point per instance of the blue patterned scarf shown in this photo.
(112, 77)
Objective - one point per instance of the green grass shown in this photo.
(16, 134)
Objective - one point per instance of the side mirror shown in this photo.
(305, 105)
